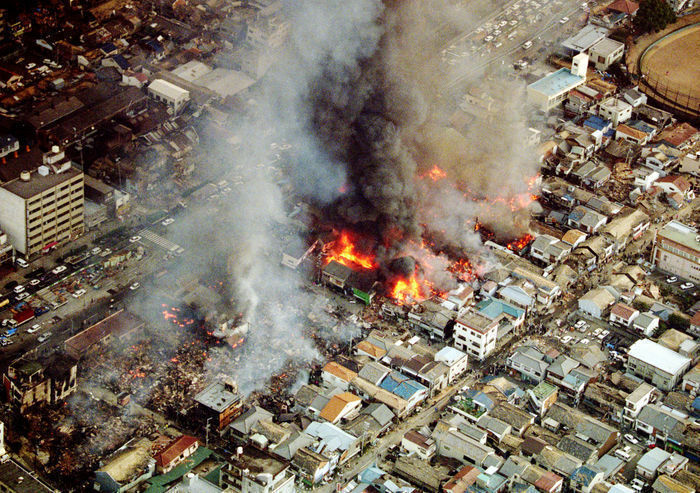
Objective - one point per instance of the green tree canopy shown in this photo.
(653, 15)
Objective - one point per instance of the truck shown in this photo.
(24, 316)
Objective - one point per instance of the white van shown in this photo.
(21, 263)
(621, 454)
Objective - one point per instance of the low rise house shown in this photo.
(606, 52)
(691, 381)
(407, 389)
(623, 314)
(519, 420)
(341, 406)
(529, 363)
(657, 364)
(175, 452)
(542, 397)
(673, 184)
(584, 479)
(416, 443)
(333, 443)
(660, 424)
(124, 469)
(596, 301)
(647, 323)
(252, 469)
(635, 402)
(336, 375)
(650, 463)
(614, 109)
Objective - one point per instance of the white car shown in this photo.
(18, 289)
(59, 269)
(44, 337)
(527, 45)
(597, 331)
(105, 252)
(671, 280)
(566, 339)
(687, 285)
(168, 221)
(134, 239)
(563, 20)
(605, 333)
(134, 286)
(630, 438)
(34, 328)
(22, 263)
(584, 341)
(34, 282)
(95, 250)
(31, 66)
(79, 293)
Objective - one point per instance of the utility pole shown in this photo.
(206, 439)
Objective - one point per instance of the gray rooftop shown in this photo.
(216, 397)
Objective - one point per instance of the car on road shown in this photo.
(566, 339)
(7, 342)
(630, 438)
(167, 221)
(687, 285)
(44, 337)
(59, 269)
(527, 45)
(563, 20)
(18, 289)
(134, 286)
(96, 250)
(79, 293)
(671, 280)
(21, 296)
(33, 328)
(34, 282)
(22, 263)
(134, 239)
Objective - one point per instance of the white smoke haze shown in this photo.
(357, 94)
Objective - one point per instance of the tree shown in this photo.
(653, 15)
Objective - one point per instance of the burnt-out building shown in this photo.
(46, 380)
(218, 405)
(360, 284)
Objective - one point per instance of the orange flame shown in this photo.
(407, 290)
(520, 243)
(435, 173)
(345, 252)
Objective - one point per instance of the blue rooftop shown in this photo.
(641, 126)
(108, 48)
(400, 385)
(155, 45)
(493, 308)
(121, 61)
(597, 123)
(559, 81)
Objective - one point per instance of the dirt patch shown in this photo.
(674, 60)
(642, 43)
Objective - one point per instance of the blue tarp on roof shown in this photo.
(493, 308)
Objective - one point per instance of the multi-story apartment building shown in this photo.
(476, 334)
(253, 470)
(677, 251)
(41, 201)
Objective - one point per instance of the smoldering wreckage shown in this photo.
(393, 193)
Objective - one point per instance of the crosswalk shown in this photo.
(164, 243)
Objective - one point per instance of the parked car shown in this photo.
(18, 289)
(105, 252)
(563, 20)
(44, 337)
(79, 293)
(671, 280)
(96, 250)
(22, 263)
(167, 221)
(34, 282)
(687, 285)
(22, 295)
(134, 286)
(33, 328)
(630, 438)
(59, 269)
(134, 239)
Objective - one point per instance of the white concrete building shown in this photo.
(551, 90)
(606, 52)
(41, 205)
(476, 334)
(615, 110)
(677, 251)
(454, 359)
(634, 402)
(657, 364)
(166, 92)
